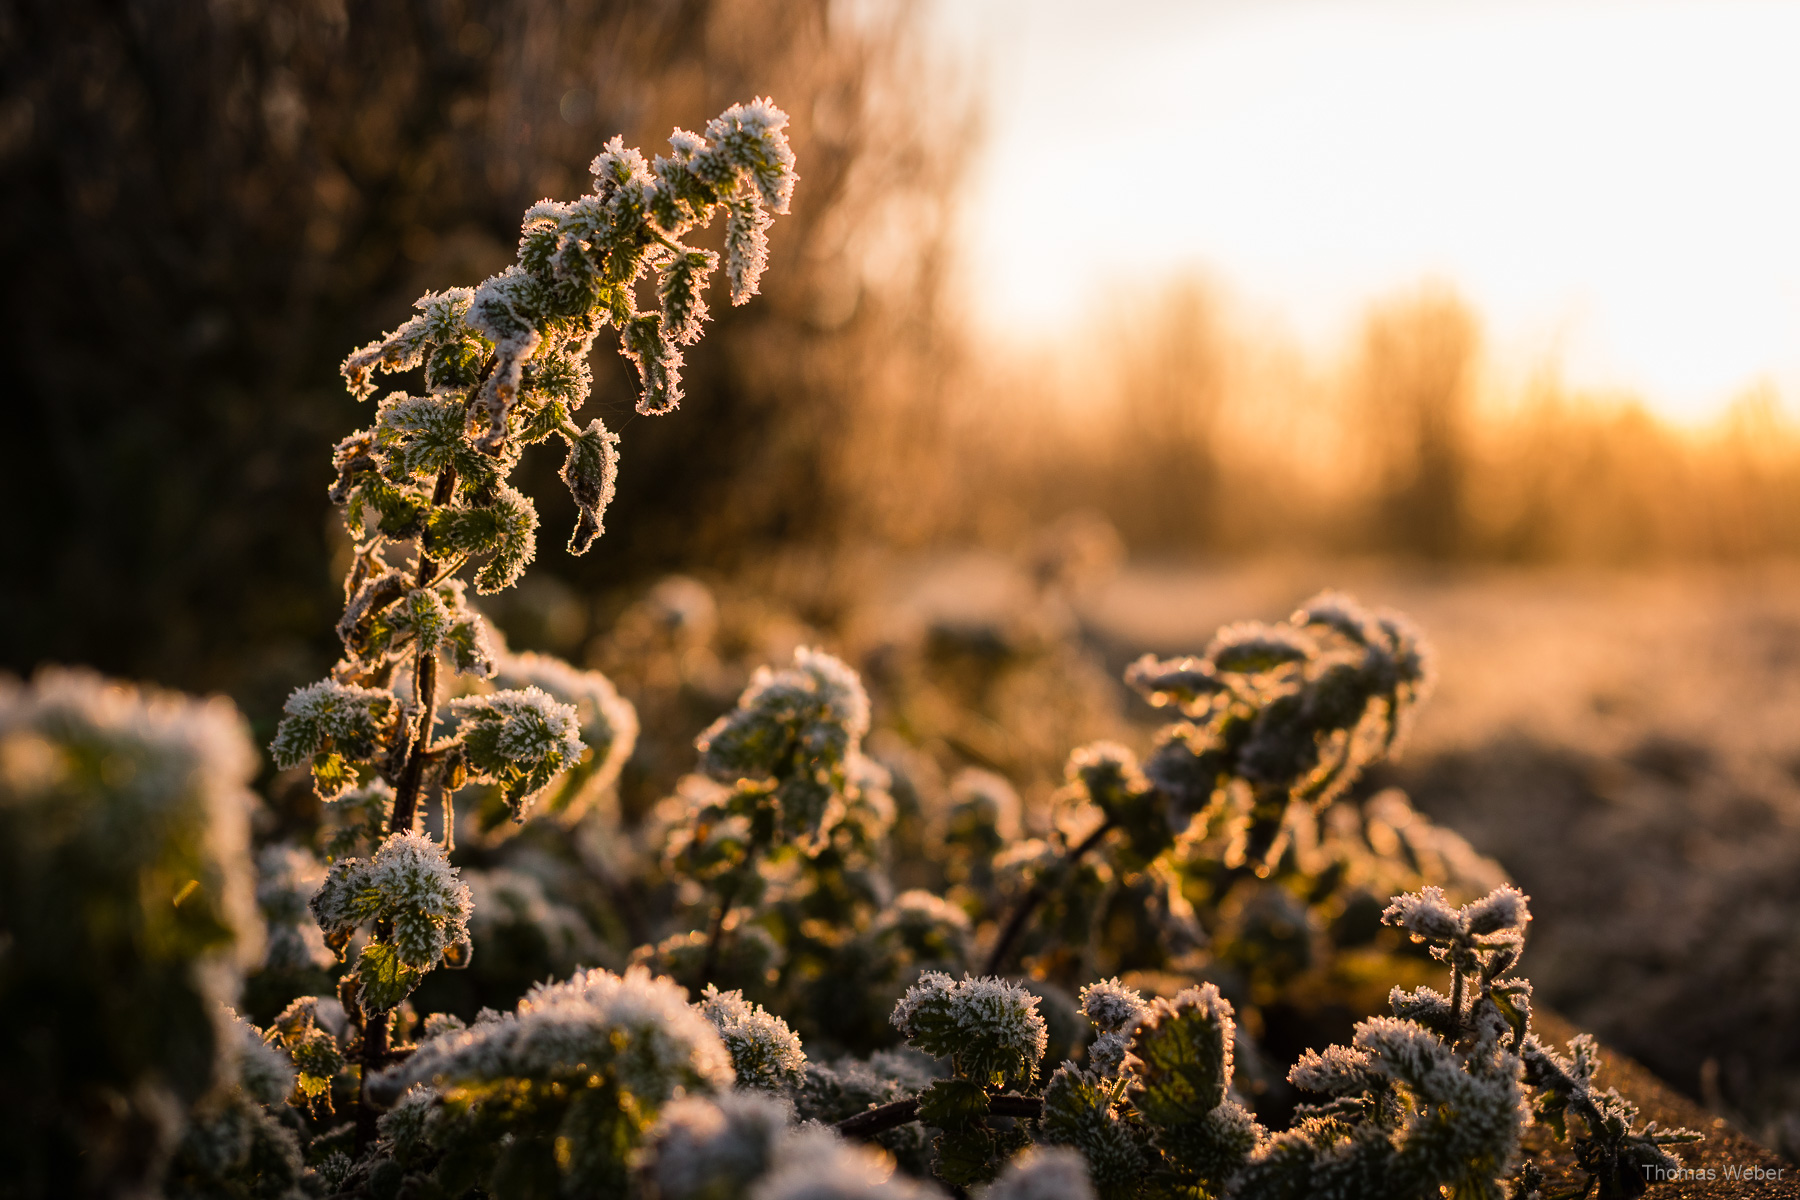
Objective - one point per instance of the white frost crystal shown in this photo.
(410, 882)
(764, 1051)
(519, 740)
(639, 1030)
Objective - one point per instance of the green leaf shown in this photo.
(953, 1103)
(965, 1156)
(331, 775)
(385, 979)
(1181, 1064)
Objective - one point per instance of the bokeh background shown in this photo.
(1083, 338)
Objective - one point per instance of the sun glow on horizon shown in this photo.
(1612, 186)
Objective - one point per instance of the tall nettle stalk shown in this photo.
(424, 492)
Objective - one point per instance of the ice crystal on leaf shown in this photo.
(410, 887)
(607, 725)
(519, 740)
(329, 725)
(765, 1053)
(990, 1029)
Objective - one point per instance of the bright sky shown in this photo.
(1612, 184)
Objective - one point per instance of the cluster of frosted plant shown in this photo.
(425, 495)
(792, 742)
(1279, 720)
(591, 1060)
(1617, 1153)
(785, 774)
(1277, 715)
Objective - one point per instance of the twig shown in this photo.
(1028, 903)
(865, 1125)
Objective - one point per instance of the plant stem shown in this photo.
(865, 1125)
(710, 962)
(1456, 991)
(406, 804)
(1028, 903)
(406, 795)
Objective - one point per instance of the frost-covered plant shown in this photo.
(765, 1053)
(994, 1037)
(1279, 721)
(127, 914)
(788, 759)
(1618, 1156)
(418, 908)
(550, 1099)
(424, 493)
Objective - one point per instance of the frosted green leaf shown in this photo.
(505, 529)
(329, 725)
(765, 1053)
(658, 363)
(608, 727)
(591, 470)
(1180, 1061)
(519, 740)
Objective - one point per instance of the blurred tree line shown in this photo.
(204, 207)
(1195, 431)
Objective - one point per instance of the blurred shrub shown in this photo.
(127, 914)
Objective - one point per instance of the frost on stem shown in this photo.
(607, 725)
(797, 733)
(1293, 713)
(518, 740)
(765, 1053)
(329, 725)
(410, 887)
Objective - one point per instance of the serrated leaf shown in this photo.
(952, 1103)
(965, 1156)
(1181, 1057)
(385, 979)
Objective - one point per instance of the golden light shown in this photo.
(1614, 186)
